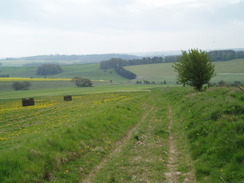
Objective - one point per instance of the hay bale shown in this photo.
(68, 98)
(28, 102)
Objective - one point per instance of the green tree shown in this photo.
(82, 82)
(194, 68)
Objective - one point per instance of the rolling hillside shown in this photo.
(90, 71)
(229, 71)
(62, 59)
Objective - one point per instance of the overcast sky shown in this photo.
(36, 27)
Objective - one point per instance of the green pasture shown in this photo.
(44, 142)
(61, 90)
(91, 71)
(154, 72)
(36, 85)
(229, 71)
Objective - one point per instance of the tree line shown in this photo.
(125, 73)
(217, 55)
(118, 62)
(222, 55)
(47, 69)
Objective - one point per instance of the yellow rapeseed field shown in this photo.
(10, 79)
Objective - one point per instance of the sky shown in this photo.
(40, 27)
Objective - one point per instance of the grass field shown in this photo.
(55, 90)
(90, 71)
(42, 142)
(229, 71)
(125, 137)
(154, 72)
(60, 82)
(121, 132)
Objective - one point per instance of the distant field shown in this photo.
(41, 83)
(56, 90)
(90, 71)
(229, 71)
(154, 72)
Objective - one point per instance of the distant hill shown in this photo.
(63, 59)
(176, 52)
(158, 53)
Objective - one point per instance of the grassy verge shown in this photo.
(213, 124)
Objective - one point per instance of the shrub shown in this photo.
(82, 82)
(25, 85)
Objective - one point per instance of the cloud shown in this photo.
(91, 26)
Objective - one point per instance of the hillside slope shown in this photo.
(214, 124)
(229, 71)
(90, 71)
(63, 59)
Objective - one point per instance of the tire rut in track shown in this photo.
(118, 147)
(172, 176)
